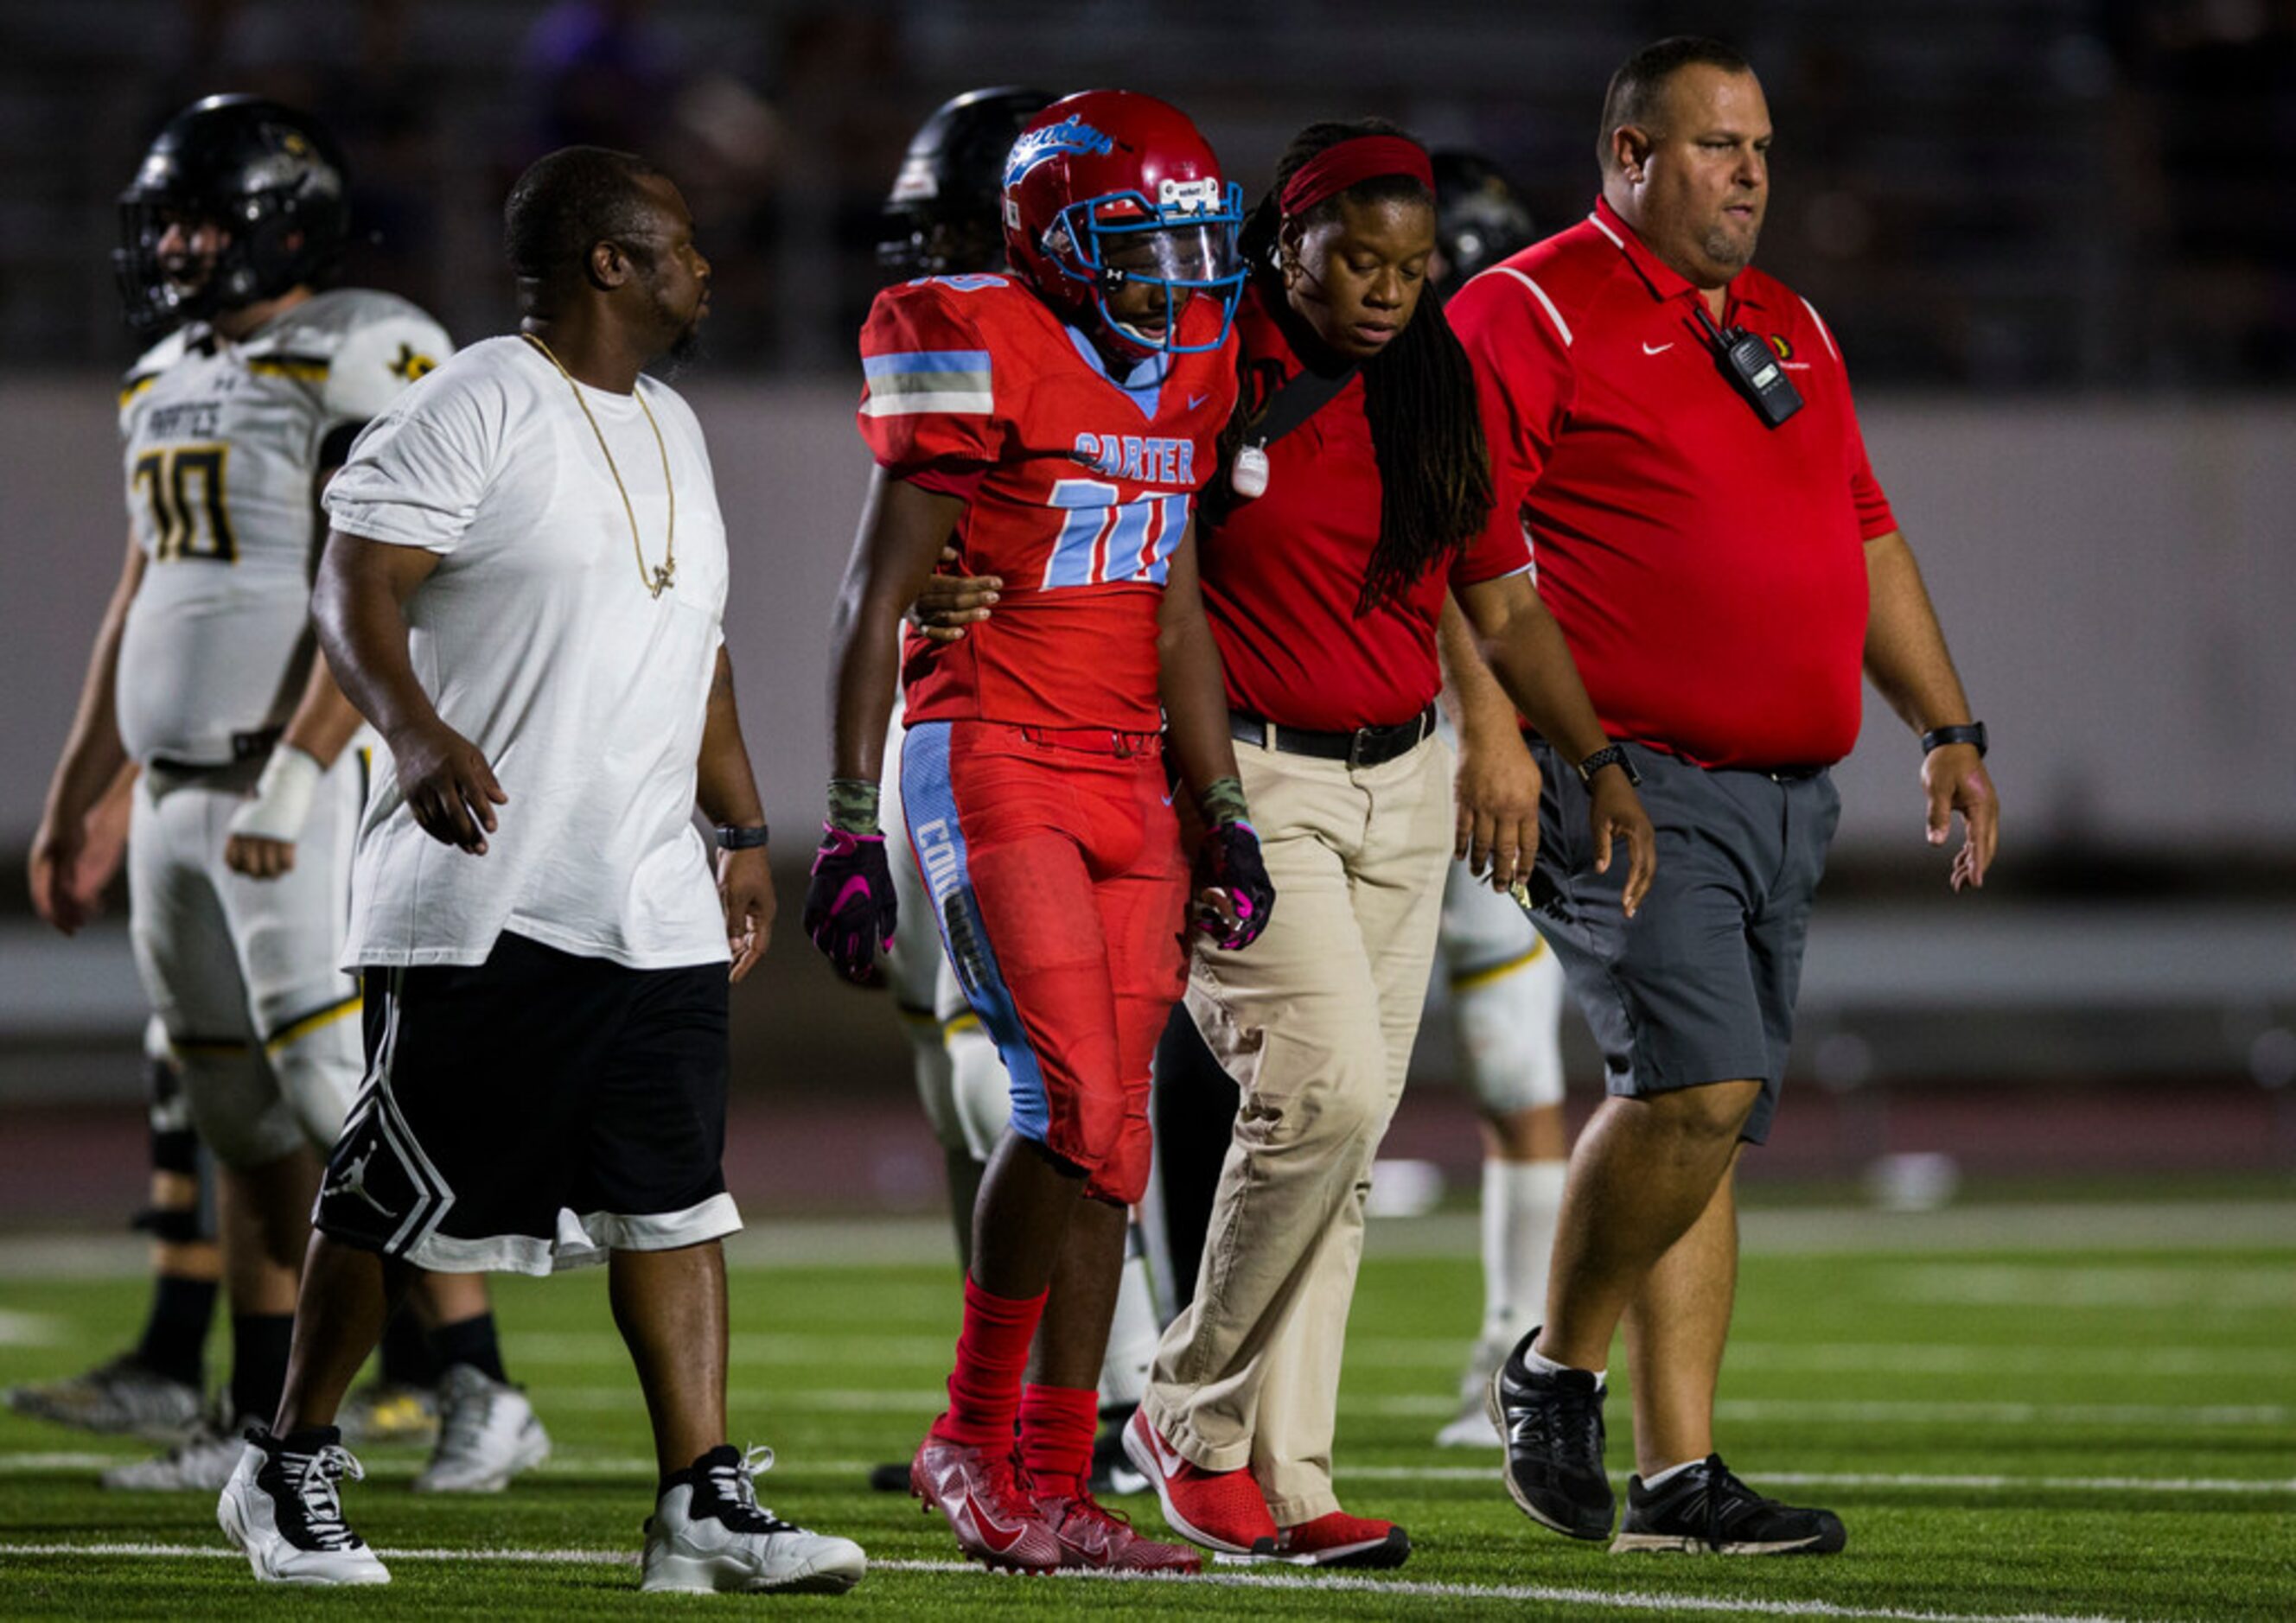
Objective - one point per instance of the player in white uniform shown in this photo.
(203, 676)
(1505, 986)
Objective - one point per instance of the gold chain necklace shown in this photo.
(653, 579)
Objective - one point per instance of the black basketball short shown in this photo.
(533, 1112)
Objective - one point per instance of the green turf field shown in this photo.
(2034, 1411)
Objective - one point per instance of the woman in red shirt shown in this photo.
(1354, 491)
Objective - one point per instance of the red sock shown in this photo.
(1056, 1427)
(984, 1389)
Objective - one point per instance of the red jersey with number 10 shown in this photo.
(1077, 482)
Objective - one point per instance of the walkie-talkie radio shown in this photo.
(1751, 366)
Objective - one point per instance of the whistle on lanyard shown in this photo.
(1751, 366)
(1248, 477)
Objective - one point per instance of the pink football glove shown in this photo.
(849, 905)
(1229, 862)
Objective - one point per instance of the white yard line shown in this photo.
(811, 1472)
(30, 1329)
(931, 1350)
(927, 1401)
(1558, 1594)
(1877, 1479)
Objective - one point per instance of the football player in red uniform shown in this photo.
(1058, 422)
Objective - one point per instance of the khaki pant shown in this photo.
(1315, 1021)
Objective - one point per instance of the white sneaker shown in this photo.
(709, 1533)
(281, 1508)
(1472, 1427)
(487, 1433)
(203, 1461)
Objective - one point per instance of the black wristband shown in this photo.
(1609, 755)
(1937, 738)
(732, 839)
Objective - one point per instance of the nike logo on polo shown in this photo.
(1656, 348)
(1196, 400)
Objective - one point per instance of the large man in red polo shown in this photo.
(1724, 565)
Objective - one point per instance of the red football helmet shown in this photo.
(1107, 188)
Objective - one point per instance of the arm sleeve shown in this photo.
(376, 362)
(930, 392)
(1501, 548)
(417, 474)
(1875, 517)
(1525, 385)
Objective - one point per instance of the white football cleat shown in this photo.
(203, 1461)
(708, 1533)
(487, 1433)
(1472, 1427)
(122, 1394)
(281, 1507)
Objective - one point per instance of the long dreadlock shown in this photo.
(1419, 394)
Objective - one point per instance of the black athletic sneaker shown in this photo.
(1552, 1425)
(1706, 1511)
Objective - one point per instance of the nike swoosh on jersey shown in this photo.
(1656, 348)
(1196, 400)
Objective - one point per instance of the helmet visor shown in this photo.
(1197, 255)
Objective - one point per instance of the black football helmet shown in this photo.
(1479, 217)
(941, 216)
(269, 177)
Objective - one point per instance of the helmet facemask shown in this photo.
(1183, 246)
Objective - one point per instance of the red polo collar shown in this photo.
(1663, 279)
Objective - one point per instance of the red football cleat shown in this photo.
(996, 1522)
(1092, 1536)
(1342, 1540)
(1220, 1510)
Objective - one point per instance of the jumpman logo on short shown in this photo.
(353, 1182)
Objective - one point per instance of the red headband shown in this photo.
(1359, 158)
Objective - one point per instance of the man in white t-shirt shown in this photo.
(524, 591)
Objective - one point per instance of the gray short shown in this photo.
(1699, 985)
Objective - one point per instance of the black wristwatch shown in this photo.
(1609, 755)
(1937, 738)
(732, 839)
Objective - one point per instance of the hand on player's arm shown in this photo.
(849, 912)
(1234, 898)
(1497, 783)
(947, 603)
(1905, 656)
(68, 870)
(1526, 652)
(357, 607)
(727, 789)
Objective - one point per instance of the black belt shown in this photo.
(1364, 747)
(245, 746)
